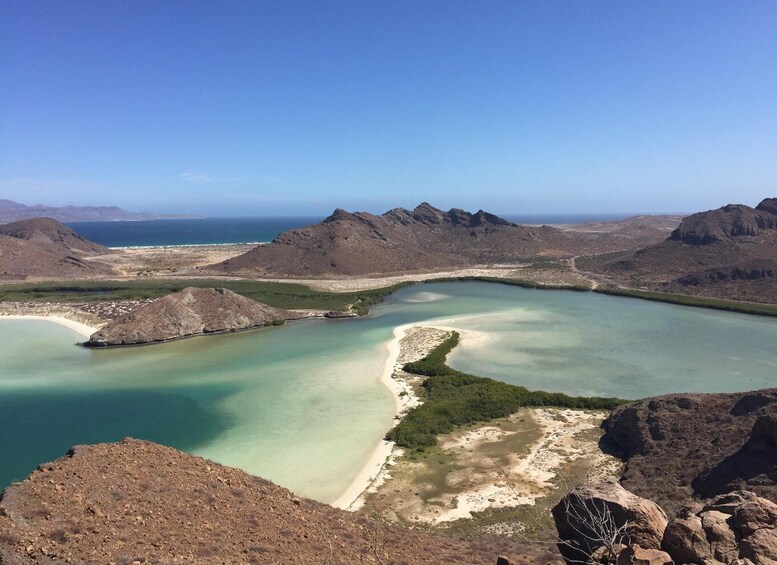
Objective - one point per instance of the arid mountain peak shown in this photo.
(730, 252)
(42, 247)
(400, 240)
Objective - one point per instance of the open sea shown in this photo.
(202, 231)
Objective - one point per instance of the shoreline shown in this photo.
(404, 400)
(187, 245)
(382, 452)
(78, 327)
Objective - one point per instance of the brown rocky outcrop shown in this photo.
(728, 253)
(738, 527)
(734, 220)
(636, 555)
(589, 515)
(136, 501)
(192, 311)
(682, 447)
(44, 248)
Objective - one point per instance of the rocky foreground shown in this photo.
(604, 523)
(681, 448)
(139, 502)
(192, 311)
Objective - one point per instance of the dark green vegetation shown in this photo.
(698, 301)
(452, 398)
(278, 294)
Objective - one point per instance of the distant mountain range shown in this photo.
(11, 211)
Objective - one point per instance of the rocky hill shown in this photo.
(192, 311)
(682, 447)
(44, 248)
(139, 502)
(730, 253)
(11, 211)
(421, 240)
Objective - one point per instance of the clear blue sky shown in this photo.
(264, 107)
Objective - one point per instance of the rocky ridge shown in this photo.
(139, 502)
(44, 248)
(402, 241)
(728, 253)
(681, 448)
(189, 312)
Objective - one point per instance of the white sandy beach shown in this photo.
(404, 400)
(79, 327)
(384, 449)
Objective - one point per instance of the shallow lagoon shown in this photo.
(302, 404)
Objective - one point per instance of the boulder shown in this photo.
(600, 511)
(738, 527)
(636, 555)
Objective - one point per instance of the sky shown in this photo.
(284, 107)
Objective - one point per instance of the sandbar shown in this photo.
(404, 400)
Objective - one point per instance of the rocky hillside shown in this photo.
(192, 311)
(682, 447)
(44, 248)
(139, 502)
(421, 240)
(730, 252)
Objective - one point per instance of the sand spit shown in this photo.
(409, 343)
(507, 463)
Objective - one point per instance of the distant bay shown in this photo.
(199, 231)
(209, 231)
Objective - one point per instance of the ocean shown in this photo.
(202, 231)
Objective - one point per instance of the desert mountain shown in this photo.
(420, 240)
(11, 211)
(730, 252)
(684, 446)
(136, 501)
(192, 311)
(44, 248)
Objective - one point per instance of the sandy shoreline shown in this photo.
(404, 400)
(79, 327)
(383, 451)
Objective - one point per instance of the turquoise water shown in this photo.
(302, 404)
